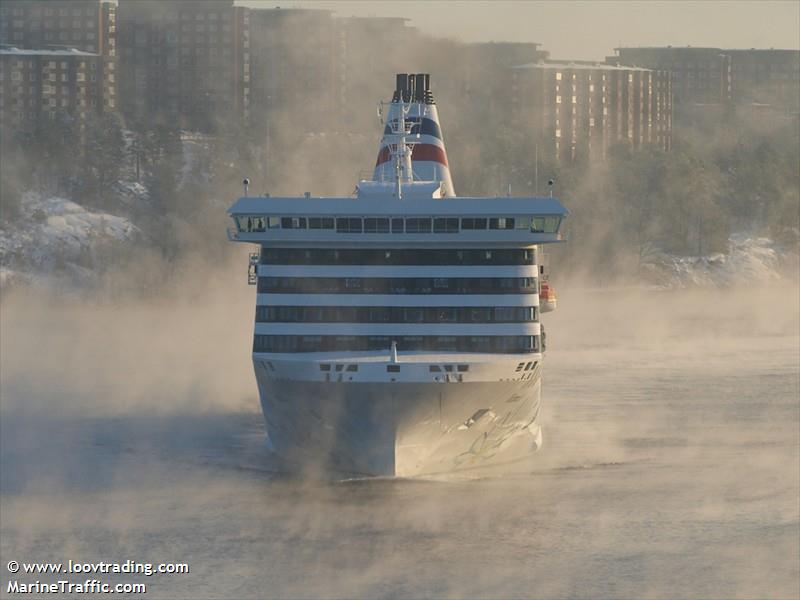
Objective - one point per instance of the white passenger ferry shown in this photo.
(397, 330)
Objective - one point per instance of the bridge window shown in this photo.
(293, 222)
(320, 223)
(473, 223)
(523, 223)
(418, 225)
(445, 225)
(545, 224)
(374, 225)
(501, 223)
(250, 223)
(348, 225)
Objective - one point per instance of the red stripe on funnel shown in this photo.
(429, 152)
(422, 152)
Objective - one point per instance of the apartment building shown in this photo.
(87, 25)
(766, 77)
(84, 25)
(41, 84)
(721, 76)
(184, 63)
(577, 111)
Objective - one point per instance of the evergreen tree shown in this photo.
(164, 156)
(103, 159)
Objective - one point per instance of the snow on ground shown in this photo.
(750, 259)
(56, 233)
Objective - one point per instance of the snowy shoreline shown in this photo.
(751, 259)
(55, 237)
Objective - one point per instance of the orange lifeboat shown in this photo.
(547, 297)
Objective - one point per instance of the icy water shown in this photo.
(671, 466)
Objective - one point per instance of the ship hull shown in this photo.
(401, 429)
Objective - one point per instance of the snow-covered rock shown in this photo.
(750, 259)
(54, 236)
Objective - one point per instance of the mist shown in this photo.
(131, 429)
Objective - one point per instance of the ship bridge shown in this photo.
(374, 218)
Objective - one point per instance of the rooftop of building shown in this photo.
(272, 11)
(577, 65)
(704, 49)
(13, 50)
(665, 48)
(510, 45)
(51, 3)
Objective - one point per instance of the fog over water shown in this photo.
(671, 465)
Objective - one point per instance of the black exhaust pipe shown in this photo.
(420, 87)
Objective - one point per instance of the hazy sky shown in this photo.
(590, 30)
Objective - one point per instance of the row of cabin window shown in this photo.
(399, 224)
(396, 314)
(494, 344)
(398, 285)
(324, 256)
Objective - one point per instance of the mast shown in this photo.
(401, 148)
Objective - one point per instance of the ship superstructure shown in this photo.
(398, 329)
